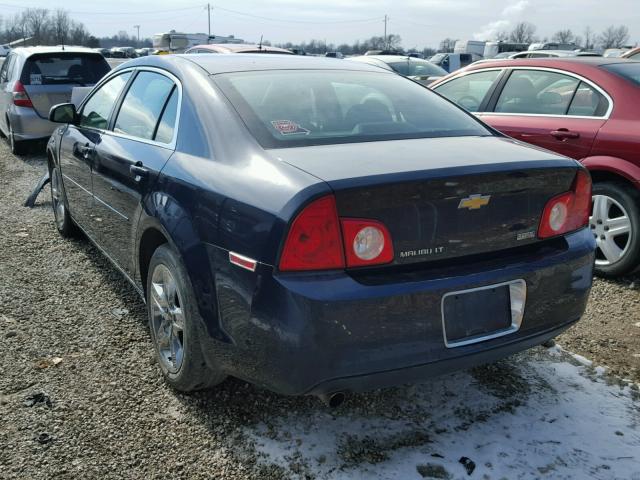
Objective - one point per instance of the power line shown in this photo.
(282, 20)
(78, 12)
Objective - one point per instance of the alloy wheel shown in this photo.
(57, 198)
(611, 227)
(167, 318)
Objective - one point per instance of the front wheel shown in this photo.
(173, 321)
(615, 224)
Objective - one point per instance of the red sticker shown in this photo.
(287, 127)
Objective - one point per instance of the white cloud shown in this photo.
(510, 14)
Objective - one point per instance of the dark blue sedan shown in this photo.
(316, 227)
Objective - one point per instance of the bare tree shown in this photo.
(589, 38)
(614, 37)
(37, 20)
(77, 33)
(523, 32)
(563, 36)
(447, 45)
(61, 23)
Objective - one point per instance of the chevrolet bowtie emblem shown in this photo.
(474, 202)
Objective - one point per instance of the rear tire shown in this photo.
(17, 147)
(173, 321)
(64, 223)
(616, 208)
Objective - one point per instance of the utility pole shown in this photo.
(137, 27)
(209, 16)
(386, 18)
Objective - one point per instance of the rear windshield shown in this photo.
(414, 68)
(64, 68)
(306, 107)
(630, 71)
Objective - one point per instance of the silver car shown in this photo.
(34, 79)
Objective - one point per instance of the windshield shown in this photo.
(64, 68)
(437, 58)
(299, 108)
(630, 71)
(414, 68)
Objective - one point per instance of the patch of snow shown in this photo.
(533, 415)
(582, 360)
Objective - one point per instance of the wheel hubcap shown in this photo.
(57, 200)
(611, 227)
(167, 318)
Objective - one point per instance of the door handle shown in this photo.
(138, 171)
(564, 133)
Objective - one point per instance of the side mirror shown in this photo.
(63, 113)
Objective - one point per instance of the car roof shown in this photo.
(246, 62)
(393, 58)
(28, 51)
(240, 47)
(554, 62)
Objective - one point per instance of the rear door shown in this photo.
(551, 109)
(77, 153)
(129, 158)
(49, 78)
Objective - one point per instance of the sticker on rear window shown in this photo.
(287, 127)
(35, 79)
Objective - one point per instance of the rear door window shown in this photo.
(469, 90)
(537, 92)
(143, 104)
(588, 102)
(167, 125)
(63, 69)
(96, 111)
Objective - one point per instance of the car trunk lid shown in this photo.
(441, 198)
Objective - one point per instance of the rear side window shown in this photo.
(96, 111)
(143, 104)
(588, 102)
(167, 123)
(537, 92)
(469, 90)
(64, 68)
(306, 107)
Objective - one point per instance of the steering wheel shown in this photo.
(468, 102)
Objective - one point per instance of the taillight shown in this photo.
(20, 97)
(568, 211)
(366, 242)
(315, 242)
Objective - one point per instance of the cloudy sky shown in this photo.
(419, 22)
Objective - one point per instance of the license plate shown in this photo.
(479, 314)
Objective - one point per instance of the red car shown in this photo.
(584, 108)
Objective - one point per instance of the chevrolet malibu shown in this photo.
(317, 227)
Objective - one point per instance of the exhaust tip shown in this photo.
(332, 400)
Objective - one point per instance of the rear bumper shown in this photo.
(319, 333)
(28, 125)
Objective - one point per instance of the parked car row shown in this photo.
(583, 108)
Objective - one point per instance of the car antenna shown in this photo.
(260, 45)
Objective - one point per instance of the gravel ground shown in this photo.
(82, 397)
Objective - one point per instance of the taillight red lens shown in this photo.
(569, 211)
(366, 242)
(314, 241)
(20, 96)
